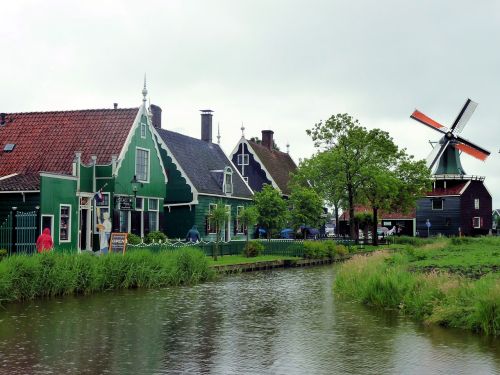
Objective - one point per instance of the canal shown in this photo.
(276, 322)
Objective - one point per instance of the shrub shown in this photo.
(341, 250)
(133, 239)
(461, 240)
(3, 254)
(253, 249)
(315, 250)
(155, 236)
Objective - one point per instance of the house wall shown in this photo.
(53, 193)
(475, 190)
(446, 221)
(178, 220)
(256, 175)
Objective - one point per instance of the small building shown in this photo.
(495, 219)
(75, 168)
(200, 177)
(261, 163)
(457, 205)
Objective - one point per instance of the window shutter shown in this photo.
(145, 218)
(206, 225)
(116, 221)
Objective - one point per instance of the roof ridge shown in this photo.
(72, 110)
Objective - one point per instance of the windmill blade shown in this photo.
(470, 148)
(420, 117)
(463, 117)
(436, 154)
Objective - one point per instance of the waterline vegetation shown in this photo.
(434, 283)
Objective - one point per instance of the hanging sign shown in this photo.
(118, 243)
(124, 203)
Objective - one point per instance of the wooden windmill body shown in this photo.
(459, 204)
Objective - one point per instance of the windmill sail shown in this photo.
(464, 116)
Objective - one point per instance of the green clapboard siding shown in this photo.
(178, 191)
(179, 220)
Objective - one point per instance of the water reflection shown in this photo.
(280, 322)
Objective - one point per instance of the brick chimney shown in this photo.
(206, 125)
(156, 112)
(267, 139)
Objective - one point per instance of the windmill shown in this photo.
(447, 150)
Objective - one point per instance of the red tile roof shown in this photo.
(393, 215)
(278, 164)
(450, 190)
(47, 141)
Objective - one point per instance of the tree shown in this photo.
(271, 208)
(306, 207)
(248, 217)
(218, 216)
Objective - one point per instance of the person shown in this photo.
(193, 235)
(44, 242)
(104, 233)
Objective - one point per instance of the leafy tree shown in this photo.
(271, 208)
(218, 216)
(248, 217)
(363, 221)
(306, 207)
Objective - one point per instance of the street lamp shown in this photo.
(135, 185)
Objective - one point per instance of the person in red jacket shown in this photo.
(44, 241)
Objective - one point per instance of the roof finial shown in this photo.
(218, 133)
(287, 147)
(242, 130)
(144, 90)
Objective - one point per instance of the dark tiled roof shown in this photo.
(47, 141)
(278, 164)
(21, 182)
(199, 160)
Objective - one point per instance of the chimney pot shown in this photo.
(2, 118)
(115, 105)
(267, 139)
(156, 113)
(206, 125)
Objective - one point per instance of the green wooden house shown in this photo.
(200, 177)
(77, 168)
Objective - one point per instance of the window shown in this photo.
(142, 164)
(211, 227)
(139, 204)
(153, 214)
(240, 228)
(102, 207)
(64, 223)
(143, 130)
(124, 221)
(476, 204)
(476, 222)
(242, 159)
(228, 181)
(437, 204)
(9, 147)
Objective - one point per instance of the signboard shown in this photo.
(428, 223)
(124, 203)
(118, 242)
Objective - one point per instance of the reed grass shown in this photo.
(383, 280)
(25, 277)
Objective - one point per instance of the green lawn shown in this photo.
(239, 259)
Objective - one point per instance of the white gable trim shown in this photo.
(464, 188)
(60, 176)
(8, 176)
(240, 176)
(250, 149)
(177, 164)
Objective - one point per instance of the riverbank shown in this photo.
(449, 282)
(53, 274)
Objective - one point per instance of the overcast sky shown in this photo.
(280, 65)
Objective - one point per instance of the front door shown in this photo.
(85, 227)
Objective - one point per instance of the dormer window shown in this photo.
(228, 181)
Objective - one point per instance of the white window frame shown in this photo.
(211, 206)
(157, 210)
(148, 166)
(478, 222)
(238, 226)
(243, 159)
(142, 208)
(143, 130)
(129, 219)
(69, 223)
(437, 209)
(228, 172)
(476, 203)
(245, 179)
(51, 222)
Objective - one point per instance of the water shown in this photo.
(279, 322)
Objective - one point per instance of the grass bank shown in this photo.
(452, 283)
(51, 274)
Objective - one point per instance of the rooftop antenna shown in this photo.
(144, 90)
(218, 133)
(242, 130)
